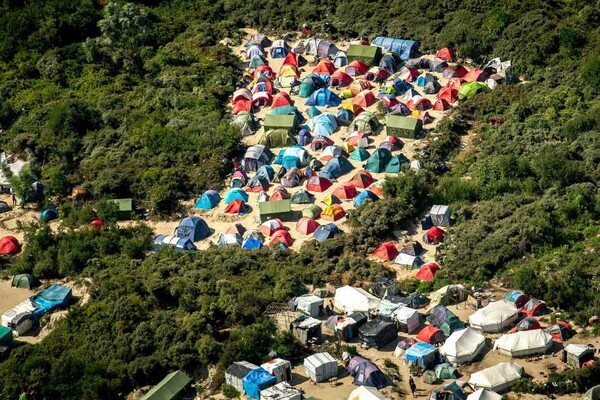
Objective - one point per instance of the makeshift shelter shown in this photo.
(306, 330)
(312, 211)
(325, 232)
(524, 343)
(445, 54)
(323, 98)
(427, 272)
(320, 367)
(366, 393)
(54, 296)
(349, 299)
(170, 388)
(434, 235)
(255, 157)
(281, 369)
(281, 391)
(423, 354)
(498, 378)
(377, 333)
(527, 324)
(445, 371)
(577, 355)
(174, 242)
(463, 346)
(494, 317)
(237, 207)
(535, 308)
(407, 320)
(192, 228)
(440, 215)
(363, 197)
(409, 261)
(432, 335)
(444, 319)
(257, 380)
(561, 331)
(404, 48)
(236, 372)
(335, 168)
(25, 281)
(275, 209)
(415, 300)
(309, 304)
(280, 122)
(369, 55)
(366, 373)
(516, 297)
(484, 394)
(9, 245)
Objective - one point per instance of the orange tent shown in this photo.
(280, 195)
(448, 94)
(290, 59)
(365, 99)
(268, 228)
(427, 271)
(445, 54)
(282, 236)
(306, 225)
(333, 212)
(441, 105)
(345, 192)
(318, 184)
(355, 139)
(264, 70)
(430, 334)
(237, 207)
(362, 179)
(454, 83)
(324, 67)
(282, 99)
(475, 75)
(359, 85)
(420, 104)
(377, 188)
(386, 251)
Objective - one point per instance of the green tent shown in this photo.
(287, 122)
(170, 388)
(25, 281)
(366, 122)
(592, 394)
(277, 138)
(429, 377)
(275, 209)
(399, 126)
(453, 323)
(445, 371)
(370, 55)
(125, 208)
(6, 336)
(395, 164)
(313, 212)
(360, 154)
(378, 160)
(468, 90)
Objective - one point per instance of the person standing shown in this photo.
(14, 199)
(413, 386)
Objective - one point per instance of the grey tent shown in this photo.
(236, 373)
(320, 367)
(440, 215)
(377, 333)
(256, 157)
(302, 197)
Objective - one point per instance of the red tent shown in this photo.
(445, 54)
(527, 324)
(318, 184)
(268, 228)
(434, 235)
(454, 83)
(441, 105)
(427, 271)
(362, 179)
(9, 245)
(306, 225)
(237, 207)
(97, 223)
(354, 140)
(241, 94)
(389, 102)
(345, 192)
(432, 335)
(264, 70)
(282, 99)
(561, 331)
(290, 59)
(535, 308)
(282, 236)
(449, 94)
(262, 99)
(365, 99)
(340, 78)
(280, 195)
(359, 85)
(324, 67)
(386, 251)
(356, 68)
(475, 75)
(409, 74)
(420, 104)
(241, 105)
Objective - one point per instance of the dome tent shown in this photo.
(192, 228)
(209, 200)
(9, 245)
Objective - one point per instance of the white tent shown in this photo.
(281, 391)
(299, 152)
(366, 393)
(279, 368)
(407, 317)
(408, 260)
(495, 316)
(524, 343)
(309, 304)
(349, 299)
(440, 215)
(498, 378)
(320, 367)
(484, 394)
(229, 239)
(463, 345)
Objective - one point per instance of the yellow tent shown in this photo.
(331, 199)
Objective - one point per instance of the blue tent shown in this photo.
(345, 116)
(304, 137)
(208, 200)
(252, 244)
(313, 112)
(323, 124)
(48, 215)
(395, 164)
(457, 392)
(405, 48)
(192, 228)
(325, 232)
(257, 380)
(422, 353)
(236, 194)
(335, 168)
(279, 49)
(366, 373)
(267, 172)
(363, 197)
(175, 242)
(421, 80)
(52, 297)
(323, 98)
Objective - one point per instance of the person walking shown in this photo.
(14, 199)
(413, 386)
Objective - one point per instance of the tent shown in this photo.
(236, 194)
(237, 207)
(377, 74)
(516, 297)
(192, 228)
(376, 333)
(229, 239)
(441, 105)
(386, 251)
(470, 89)
(279, 49)
(498, 378)
(394, 166)
(475, 75)
(366, 122)
(320, 48)
(419, 103)
(407, 320)
(379, 160)
(304, 137)
(363, 197)
(434, 235)
(269, 227)
(578, 355)
(462, 346)
(484, 394)
(302, 197)
(48, 215)
(535, 308)
(277, 138)
(323, 124)
(252, 244)
(324, 67)
(592, 394)
(25, 281)
(257, 380)
(366, 393)
(318, 184)
(254, 50)
(294, 156)
(444, 319)
(320, 367)
(362, 179)
(241, 94)
(236, 372)
(282, 99)
(325, 232)
(309, 84)
(309, 304)
(333, 213)
(279, 122)
(358, 139)
(345, 192)
(312, 211)
(432, 335)
(370, 55)
(404, 48)
(6, 336)
(391, 62)
(449, 294)
(427, 272)
(288, 74)
(356, 68)
(527, 324)
(323, 98)
(422, 353)
(340, 79)
(366, 373)
(275, 209)
(349, 299)
(267, 172)
(170, 388)
(407, 260)
(9, 245)
(245, 121)
(524, 343)
(335, 168)
(360, 154)
(364, 99)
(561, 331)
(440, 215)
(175, 242)
(255, 157)
(445, 371)
(445, 54)
(494, 317)
(448, 94)
(281, 236)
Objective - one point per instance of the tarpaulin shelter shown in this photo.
(170, 388)
(281, 391)
(236, 372)
(256, 156)
(445, 371)
(578, 355)
(484, 394)
(333, 212)
(320, 367)
(415, 300)
(356, 68)
(9, 245)
(427, 272)
(404, 48)
(498, 378)
(366, 373)
(192, 228)
(432, 335)
(463, 346)
(444, 319)
(434, 235)
(51, 298)
(494, 317)
(364, 197)
(257, 380)
(174, 242)
(377, 333)
(349, 299)
(281, 369)
(407, 319)
(422, 353)
(327, 231)
(524, 343)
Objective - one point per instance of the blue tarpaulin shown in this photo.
(257, 380)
